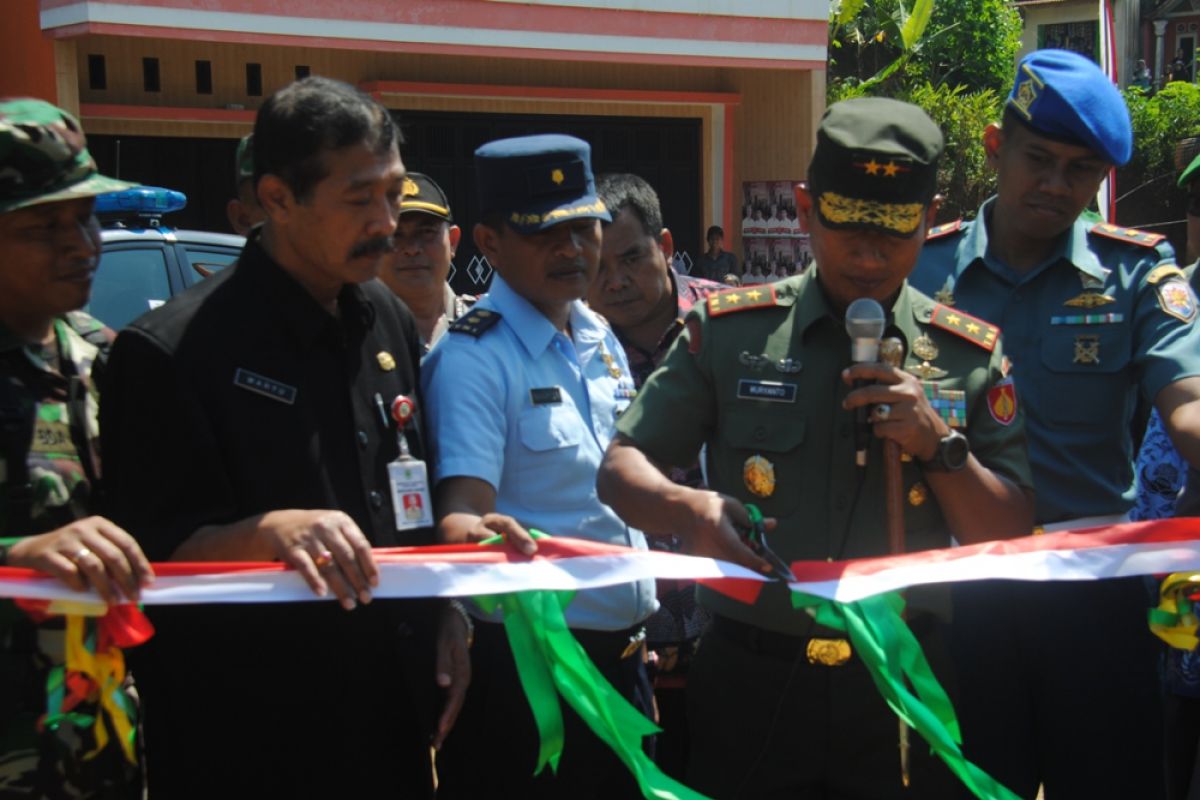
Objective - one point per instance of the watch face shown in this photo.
(955, 449)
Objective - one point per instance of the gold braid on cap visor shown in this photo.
(902, 218)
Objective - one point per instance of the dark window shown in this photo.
(97, 72)
(203, 77)
(254, 80)
(150, 77)
(303, 71)
(128, 283)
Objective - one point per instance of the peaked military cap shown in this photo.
(1064, 96)
(875, 165)
(44, 156)
(538, 181)
(423, 195)
(244, 160)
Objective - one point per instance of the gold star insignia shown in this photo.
(754, 294)
(872, 167)
(890, 169)
(953, 319)
(733, 299)
(973, 328)
(557, 176)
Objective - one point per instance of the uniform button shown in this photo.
(362, 439)
(760, 433)
(376, 500)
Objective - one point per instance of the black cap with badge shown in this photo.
(422, 195)
(875, 165)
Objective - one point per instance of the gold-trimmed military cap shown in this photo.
(422, 195)
(875, 165)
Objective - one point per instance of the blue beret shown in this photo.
(538, 181)
(1064, 96)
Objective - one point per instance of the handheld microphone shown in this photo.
(865, 322)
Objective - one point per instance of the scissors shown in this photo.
(755, 538)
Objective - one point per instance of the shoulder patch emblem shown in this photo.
(1002, 401)
(760, 296)
(973, 329)
(476, 322)
(1130, 235)
(1164, 271)
(1175, 298)
(938, 231)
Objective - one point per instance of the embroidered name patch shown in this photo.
(545, 396)
(773, 391)
(260, 384)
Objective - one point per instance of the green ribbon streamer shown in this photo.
(550, 662)
(892, 654)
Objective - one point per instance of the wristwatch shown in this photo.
(951, 455)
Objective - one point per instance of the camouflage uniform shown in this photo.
(49, 457)
(49, 466)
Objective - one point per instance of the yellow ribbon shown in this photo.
(1174, 621)
(106, 670)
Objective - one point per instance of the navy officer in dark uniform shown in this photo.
(1060, 680)
(247, 424)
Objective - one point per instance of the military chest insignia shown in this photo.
(950, 404)
(545, 396)
(1087, 319)
(973, 329)
(1175, 298)
(918, 494)
(1087, 349)
(1164, 271)
(945, 295)
(610, 362)
(1090, 300)
(773, 391)
(755, 362)
(267, 387)
(1093, 283)
(385, 360)
(1129, 235)
(924, 348)
(926, 371)
(759, 476)
(475, 323)
(787, 366)
(722, 303)
(1002, 401)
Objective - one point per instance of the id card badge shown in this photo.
(409, 480)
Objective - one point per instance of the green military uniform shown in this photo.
(778, 706)
(721, 396)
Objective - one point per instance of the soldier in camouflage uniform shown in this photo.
(49, 462)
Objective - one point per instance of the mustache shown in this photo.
(374, 247)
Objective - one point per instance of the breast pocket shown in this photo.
(550, 472)
(1087, 362)
(763, 450)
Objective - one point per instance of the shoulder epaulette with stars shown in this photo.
(938, 231)
(1130, 235)
(973, 329)
(475, 322)
(759, 296)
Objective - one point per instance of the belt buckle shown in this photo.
(635, 643)
(828, 652)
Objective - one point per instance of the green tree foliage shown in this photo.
(1163, 125)
(971, 43)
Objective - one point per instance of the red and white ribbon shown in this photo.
(1135, 548)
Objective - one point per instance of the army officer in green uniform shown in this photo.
(779, 706)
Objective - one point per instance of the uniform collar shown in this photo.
(812, 305)
(302, 315)
(531, 326)
(1073, 248)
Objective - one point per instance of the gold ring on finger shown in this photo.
(79, 554)
(323, 559)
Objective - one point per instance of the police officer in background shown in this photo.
(518, 443)
(418, 270)
(248, 424)
(1093, 314)
(778, 705)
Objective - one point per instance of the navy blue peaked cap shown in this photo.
(538, 181)
(1064, 96)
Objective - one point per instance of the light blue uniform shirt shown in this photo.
(531, 412)
(1077, 370)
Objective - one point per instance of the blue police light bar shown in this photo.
(148, 201)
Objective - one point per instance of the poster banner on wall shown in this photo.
(772, 242)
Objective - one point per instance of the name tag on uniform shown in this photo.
(773, 391)
(545, 396)
(267, 387)
(410, 494)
